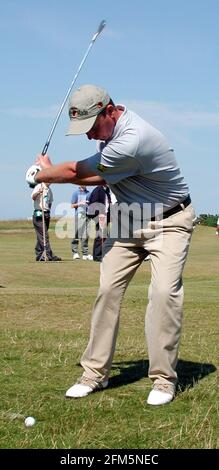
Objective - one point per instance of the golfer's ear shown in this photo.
(110, 109)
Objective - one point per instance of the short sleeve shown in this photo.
(74, 198)
(116, 160)
(36, 189)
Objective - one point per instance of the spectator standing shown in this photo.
(42, 201)
(217, 228)
(99, 210)
(79, 202)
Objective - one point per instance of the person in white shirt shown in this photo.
(79, 202)
(217, 228)
(42, 201)
(140, 167)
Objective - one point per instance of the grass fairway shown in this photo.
(45, 319)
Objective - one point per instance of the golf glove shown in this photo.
(30, 175)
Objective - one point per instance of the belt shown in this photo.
(39, 212)
(175, 209)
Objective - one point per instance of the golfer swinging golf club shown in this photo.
(139, 166)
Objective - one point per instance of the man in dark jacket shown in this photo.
(99, 210)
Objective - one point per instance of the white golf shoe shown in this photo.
(76, 256)
(81, 389)
(87, 257)
(161, 394)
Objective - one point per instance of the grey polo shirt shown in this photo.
(138, 164)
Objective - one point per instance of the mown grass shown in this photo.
(45, 319)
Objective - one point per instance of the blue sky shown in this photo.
(159, 58)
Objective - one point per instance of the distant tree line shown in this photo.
(208, 219)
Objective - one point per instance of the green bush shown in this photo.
(208, 219)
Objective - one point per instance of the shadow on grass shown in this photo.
(189, 373)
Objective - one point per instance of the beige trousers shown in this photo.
(167, 242)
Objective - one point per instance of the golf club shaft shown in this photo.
(99, 30)
(44, 229)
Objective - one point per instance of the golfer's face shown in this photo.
(102, 128)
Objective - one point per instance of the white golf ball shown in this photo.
(29, 421)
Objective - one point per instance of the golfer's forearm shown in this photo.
(90, 181)
(67, 173)
(62, 173)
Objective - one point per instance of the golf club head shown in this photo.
(100, 29)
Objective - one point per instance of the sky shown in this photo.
(160, 59)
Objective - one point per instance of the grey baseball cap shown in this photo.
(84, 106)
